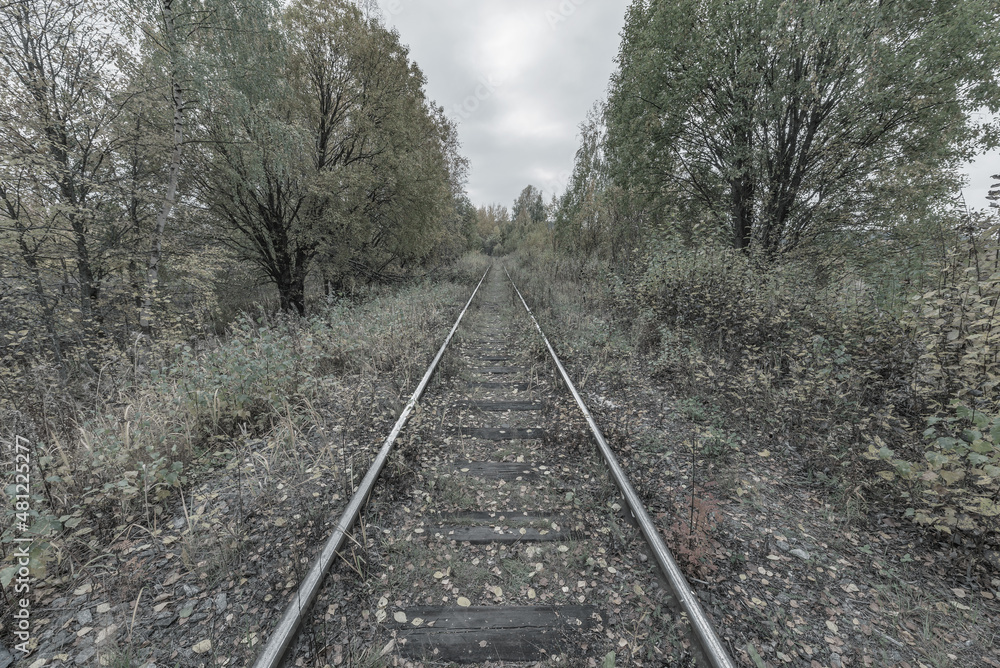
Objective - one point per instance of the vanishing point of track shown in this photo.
(502, 476)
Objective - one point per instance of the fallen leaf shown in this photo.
(202, 647)
(464, 602)
(400, 617)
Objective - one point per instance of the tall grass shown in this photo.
(156, 414)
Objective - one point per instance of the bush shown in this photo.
(818, 363)
(776, 342)
(156, 411)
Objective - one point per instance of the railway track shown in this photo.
(490, 530)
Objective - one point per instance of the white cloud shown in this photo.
(517, 80)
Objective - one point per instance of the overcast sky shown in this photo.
(519, 77)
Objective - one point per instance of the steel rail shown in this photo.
(277, 645)
(710, 643)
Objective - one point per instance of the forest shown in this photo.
(214, 216)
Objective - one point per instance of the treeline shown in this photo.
(166, 164)
(770, 194)
(497, 230)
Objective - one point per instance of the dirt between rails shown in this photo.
(402, 559)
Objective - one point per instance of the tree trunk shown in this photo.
(89, 290)
(156, 241)
(292, 292)
(741, 207)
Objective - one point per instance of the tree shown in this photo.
(778, 121)
(183, 40)
(575, 214)
(529, 206)
(337, 163)
(62, 86)
(493, 226)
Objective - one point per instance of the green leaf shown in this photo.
(951, 477)
(948, 444)
(936, 458)
(963, 412)
(755, 657)
(971, 435)
(977, 459)
(981, 446)
(995, 433)
(7, 575)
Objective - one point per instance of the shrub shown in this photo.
(808, 355)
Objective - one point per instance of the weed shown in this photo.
(693, 409)
(691, 534)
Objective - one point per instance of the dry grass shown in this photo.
(277, 399)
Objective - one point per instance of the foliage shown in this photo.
(955, 481)
(772, 122)
(339, 163)
(956, 321)
(956, 485)
(819, 364)
(167, 411)
(494, 227)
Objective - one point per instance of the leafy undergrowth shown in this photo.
(212, 457)
(801, 553)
